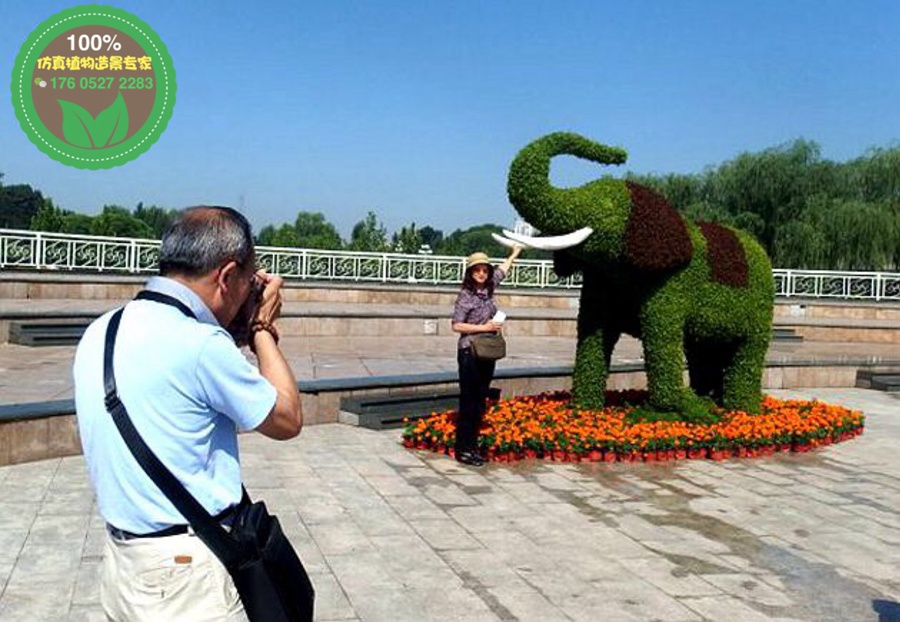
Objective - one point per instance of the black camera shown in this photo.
(240, 325)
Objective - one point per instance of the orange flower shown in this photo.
(546, 422)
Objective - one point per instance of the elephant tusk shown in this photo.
(506, 241)
(554, 243)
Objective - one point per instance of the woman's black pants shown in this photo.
(475, 377)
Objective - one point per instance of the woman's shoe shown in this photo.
(472, 459)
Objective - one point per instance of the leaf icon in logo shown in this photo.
(82, 130)
(111, 125)
(76, 121)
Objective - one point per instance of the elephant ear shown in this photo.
(564, 265)
(656, 238)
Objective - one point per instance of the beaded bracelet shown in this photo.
(258, 326)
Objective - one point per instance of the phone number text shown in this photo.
(99, 84)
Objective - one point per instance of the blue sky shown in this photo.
(414, 109)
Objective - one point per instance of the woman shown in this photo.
(472, 315)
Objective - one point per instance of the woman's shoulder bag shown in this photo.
(489, 346)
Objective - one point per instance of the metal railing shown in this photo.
(845, 285)
(312, 264)
(38, 250)
(31, 250)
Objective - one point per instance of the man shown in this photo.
(188, 390)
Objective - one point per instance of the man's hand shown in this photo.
(269, 308)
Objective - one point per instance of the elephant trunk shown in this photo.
(529, 187)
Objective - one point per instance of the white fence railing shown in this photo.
(825, 284)
(32, 250)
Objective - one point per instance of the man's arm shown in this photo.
(286, 417)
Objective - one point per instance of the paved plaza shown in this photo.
(395, 535)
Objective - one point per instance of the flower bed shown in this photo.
(545, 426)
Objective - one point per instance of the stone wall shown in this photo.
(37, 439)
(50, 286)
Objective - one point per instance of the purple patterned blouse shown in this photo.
(475, 307)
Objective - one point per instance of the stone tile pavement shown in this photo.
(394, 535)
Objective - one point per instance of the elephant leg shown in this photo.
(596, 340)
(592, 358)
(742, 385)
(595, 345)
(664, 362)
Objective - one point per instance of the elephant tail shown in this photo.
(529, 186)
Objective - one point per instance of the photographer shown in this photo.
(188, 390)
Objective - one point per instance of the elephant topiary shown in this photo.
(699, 291)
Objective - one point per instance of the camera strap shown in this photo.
(166, 300)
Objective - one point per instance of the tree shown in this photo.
(310, 230)
(407, 240)
(369, 235)
(157, 218)
(265, 235)
(77, 224)
(471, 240)
(874, 177)
(857, 235)
(799, 244)
(772, 184)
(48, 218)
(314, 231)
(119, 222)
(285, 236)
(431, 236)
(18, 205)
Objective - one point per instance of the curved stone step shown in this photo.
(41, 333)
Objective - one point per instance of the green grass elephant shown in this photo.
(696, 291)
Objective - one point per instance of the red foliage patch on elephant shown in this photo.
(726, 256)
(656, 238)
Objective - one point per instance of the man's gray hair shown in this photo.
(204, 238)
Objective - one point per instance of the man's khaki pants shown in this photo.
(171, 578)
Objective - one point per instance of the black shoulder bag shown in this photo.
(270, 579)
